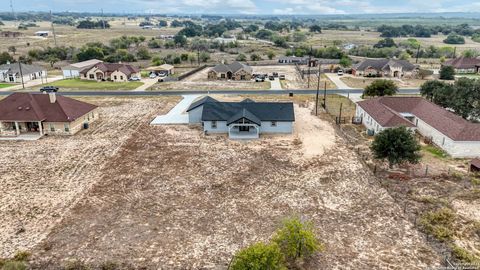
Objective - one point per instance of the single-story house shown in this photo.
(11, 73)
(10, 34)
(169, 69)
(457, 136)
(73, 70)
(234, 71)
(464, 64)
(42, 33)
(242, 120)
(26, 113)
(110, 72)
(384, 68)
(293, 60)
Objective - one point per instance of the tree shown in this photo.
(259, 256)
(162, 23)
(241, 57)
(270, 55)
(385, 43)
(143, 53)
(345, 62)
(180, 40)
(447, 73)
(251, 28)
(397, 146)
(204, 57)
(296, 239)
(423, 73)
(299, 36)
(5, 57)
(381, 88)
(470, 53)
(255, 57)
(430, 88)
(315, 28)
(52, 60)
(454, 38)
(12, 49)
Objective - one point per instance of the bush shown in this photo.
(396, 145)
(297, 240)
(454, 38)
(14, 265)
(381, 88)
(447, 73)
(255, 57)
(464, 255)
(259, 256)
(439, 223)
(241, 57)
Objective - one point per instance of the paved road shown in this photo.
(213, 92)
(32, 83)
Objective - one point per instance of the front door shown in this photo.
(244, 128)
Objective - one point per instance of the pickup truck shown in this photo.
(49, 89)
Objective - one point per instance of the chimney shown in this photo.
(52, 96)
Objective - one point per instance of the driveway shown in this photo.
(336, 80)
(178, 114)
(275, 84)
(32, 83)
(147, 83)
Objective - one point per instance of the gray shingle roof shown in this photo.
(200, 102)
(15, 69)
(244, 113)
(384, 64)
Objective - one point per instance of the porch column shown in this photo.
(40, 128)
(1, 127)
(17, 129)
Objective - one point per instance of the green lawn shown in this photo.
(5, 85)
(435, 151)
(77, 84)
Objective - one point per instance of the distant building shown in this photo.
(25, 113)
(10, 34)
(293, 60)
(11, 73)
(165, 68)
(457, 136)
(463, 65)
(235, 71)
(42, 33)
(110, 72)
(242, 120)
(383, 67)
(73, 70)
(223, 40)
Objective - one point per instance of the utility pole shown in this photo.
(418, 52)
(309, 61)
(318, 88)
(53, 30)
(340, 114)
(21, 73)
(13, 13)
(198, 56)
(454, 52)
(103, 20)
(325, 96)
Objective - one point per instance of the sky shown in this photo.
(266, 7)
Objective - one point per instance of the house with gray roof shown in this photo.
(242, 120)
(11, 73)
(383, 67)
(235, 71)
(457, 136)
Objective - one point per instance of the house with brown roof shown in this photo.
(384, 67)
(35, 115)
(235, 71)
(73, 70)
(464, 65)
(110, 72)
(457, 136)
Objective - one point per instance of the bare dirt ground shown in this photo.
(362, 82)
(172, 198)
(41, 180)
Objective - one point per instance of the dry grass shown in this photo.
(362, 82)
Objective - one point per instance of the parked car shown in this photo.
(259, 79)
(275, 74)
(49, 89)
(271, 78)
(163, 74)
(134, 79)
(282, 77)
(153, 75)
(340, 72)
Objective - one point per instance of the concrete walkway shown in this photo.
(355, 97)
(32, 83)
(178, 114)
(147, 83)
(275, 84)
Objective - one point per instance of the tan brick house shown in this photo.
(110, 72)
(235, 71)
(42, 114)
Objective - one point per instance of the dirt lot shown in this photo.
(43, 180)
(362, 82)
(172, 198)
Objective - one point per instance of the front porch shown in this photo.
(20, 130)
(243, 131)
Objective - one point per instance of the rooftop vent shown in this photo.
(19, 108)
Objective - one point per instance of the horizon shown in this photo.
(251, 7)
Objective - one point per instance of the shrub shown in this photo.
(439, 223)
(14, 265)
(259, 256)
(447, 73)
(297, 240)
(381, 88)
(464, 255)
(396, 145)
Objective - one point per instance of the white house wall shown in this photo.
(221, 127)
(71, 73)
(281, 127)
(367, 120)
(195, 115)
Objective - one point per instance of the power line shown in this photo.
(53, 29)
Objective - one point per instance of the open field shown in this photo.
(47, 177)
(168, 197)
(78, 84)
(362, 82)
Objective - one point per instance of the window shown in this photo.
(115, 77)
(443, 141)
(222, 76)
(67, 127)
(121, 77)
(93, 115)
(274, 123)
(214, 124)
(91, 76)
(52, 127)
(242, 77)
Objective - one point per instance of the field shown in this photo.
(78, 84)
(362, 82)
(119, 193)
